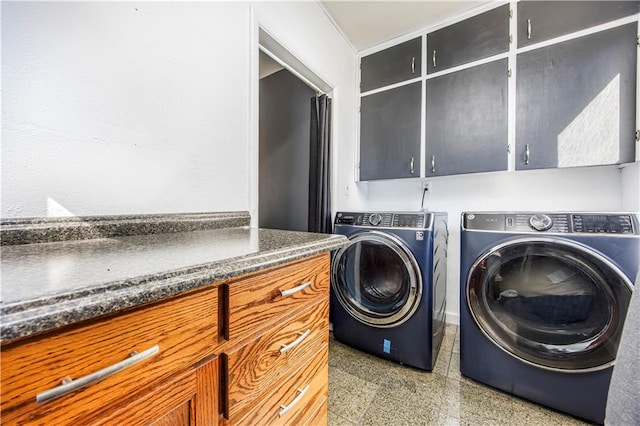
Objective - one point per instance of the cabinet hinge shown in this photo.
(508, 148)
(509, 73)
(638, 135)
(510, 13)
(638, 40)
(510, 38)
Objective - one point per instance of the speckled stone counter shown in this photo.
(48, 285)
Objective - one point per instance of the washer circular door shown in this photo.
(551, 303)
(377, 279)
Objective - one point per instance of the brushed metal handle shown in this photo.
(287, 293)
(411, 166)
(529, 29)
(413, 65)
(286, 348)
(286, 408)
(433, 58)
(527, 155)
(433, 164)
(69, 385)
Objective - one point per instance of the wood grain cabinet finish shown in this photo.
(234, 352)
(184, 330)
(275, 365)
(392, 65)
(478, 37)
(543, 20)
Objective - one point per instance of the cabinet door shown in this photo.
(475, 38)
(467, 120)
(543, 20)
(393, 65)
(390, 133)
(576, 101)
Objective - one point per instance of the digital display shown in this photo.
(408, 220)
(608, 224)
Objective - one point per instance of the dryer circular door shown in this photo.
(551, 303)
(376, 279)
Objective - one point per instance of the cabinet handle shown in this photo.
(413, 65)
(411, 166)
(433, 58)
(527, 155)
(529, 29)
(69, 385)
(287, 293)
(286, 408)
(433, 164)
(287, 348)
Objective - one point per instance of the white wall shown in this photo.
(118, 108)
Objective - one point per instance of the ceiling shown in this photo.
(368, 23)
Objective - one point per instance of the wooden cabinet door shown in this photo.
(576, 101)
(478, 37)
(390, 133)
(466, 120)
(544, 20)
(393, 65)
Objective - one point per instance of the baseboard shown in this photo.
(452, 318)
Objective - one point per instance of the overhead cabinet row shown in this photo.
(575, 99)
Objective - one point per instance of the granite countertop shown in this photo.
(52, 284)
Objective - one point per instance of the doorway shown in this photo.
(284, 149)
(293, 164)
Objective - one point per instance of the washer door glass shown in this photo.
(376, 279)
(550, 303)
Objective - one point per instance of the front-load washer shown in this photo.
(388, 284)
(543, 301)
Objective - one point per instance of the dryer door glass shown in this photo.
(553, 304)
(377, 279)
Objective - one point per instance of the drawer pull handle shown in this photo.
(286, 408)
(287, 348)
(287, 293)
(69, 385)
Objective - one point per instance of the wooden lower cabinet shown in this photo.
(233, 352)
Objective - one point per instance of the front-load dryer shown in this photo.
(543, 302)
(388, 285)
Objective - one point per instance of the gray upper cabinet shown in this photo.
(390, 133)
(474, 38)
(543, 20)
(393, 65)
(576, 101)
(466, 118)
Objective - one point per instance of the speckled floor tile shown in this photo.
(336, 420)
(359, 364)
(373, 391)
(349, 395)
(468, 400)
(403, 401)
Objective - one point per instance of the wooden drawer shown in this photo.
(302, 392)
(260, 365)
(184, 329)
(320, 416)
(257, 300)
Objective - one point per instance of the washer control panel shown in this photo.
(384, 220)
(589, 223)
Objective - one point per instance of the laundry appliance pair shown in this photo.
(543, 301)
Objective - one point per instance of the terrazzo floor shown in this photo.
(366, 390)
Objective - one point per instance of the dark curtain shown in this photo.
(319, 170)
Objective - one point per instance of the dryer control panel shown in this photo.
(590, 223)
(384, 219)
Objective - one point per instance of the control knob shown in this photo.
(540, 222)
(375, 219)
